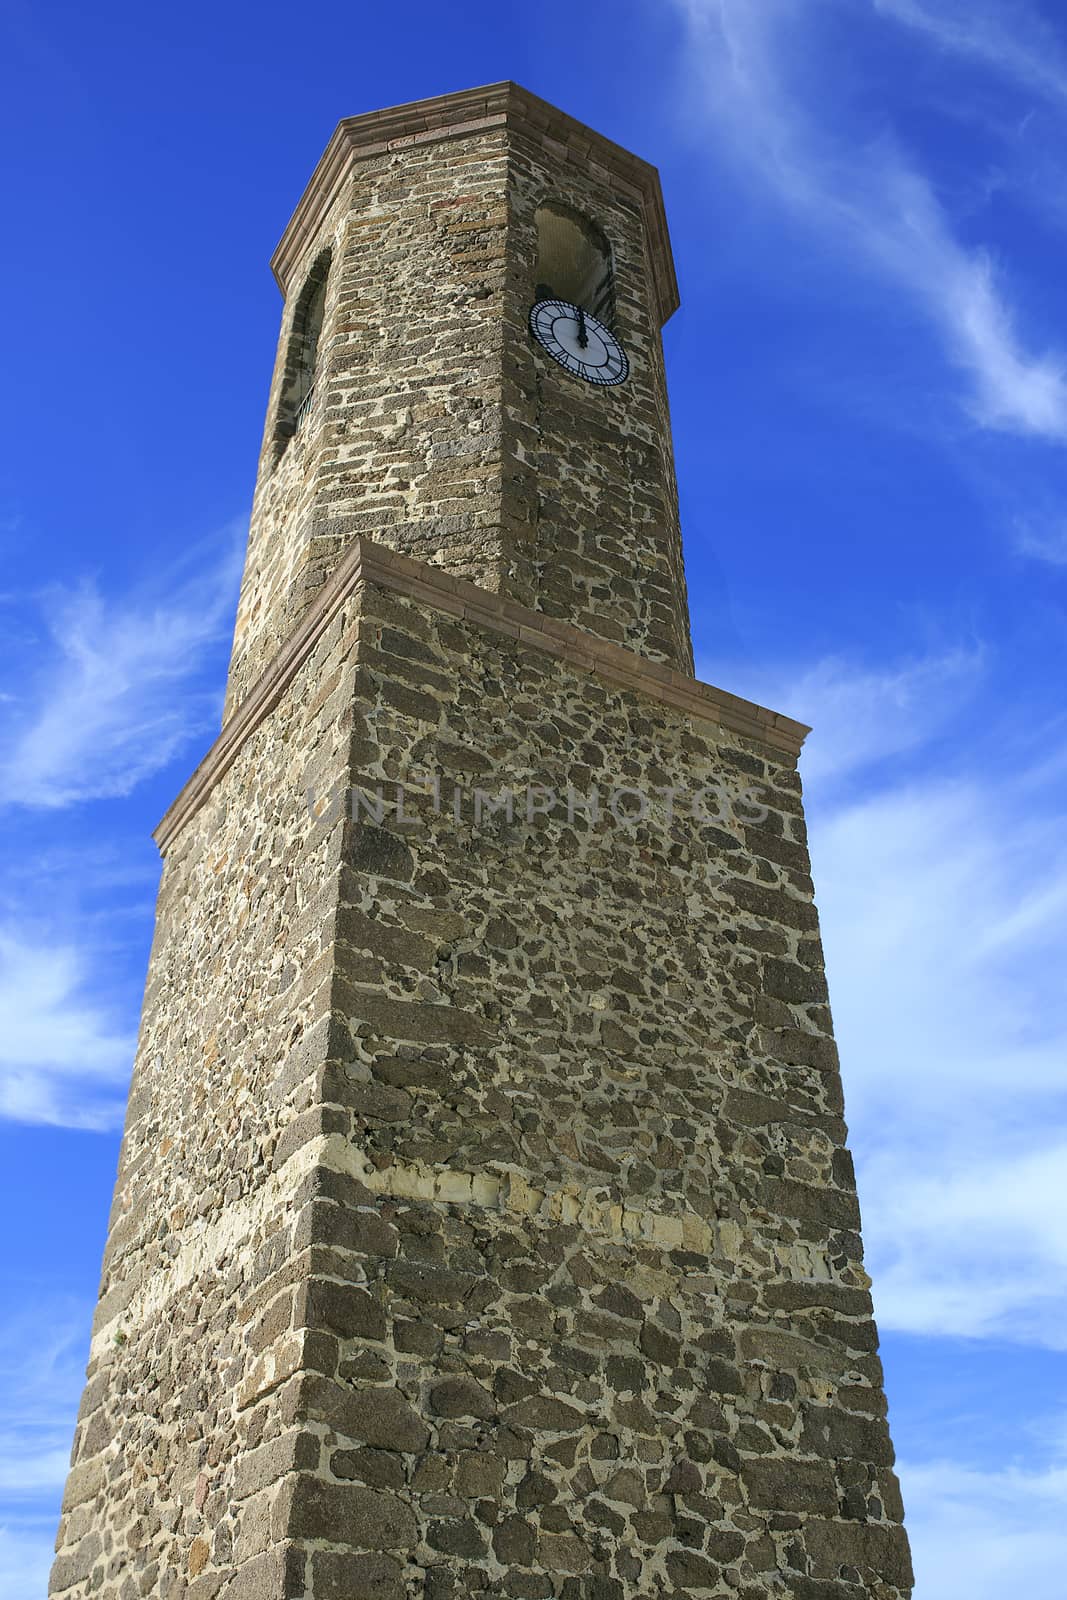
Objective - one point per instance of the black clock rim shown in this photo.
(588, 374)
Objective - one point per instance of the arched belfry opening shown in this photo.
(302, 353)
(574, 262)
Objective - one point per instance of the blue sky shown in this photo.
(869, 387)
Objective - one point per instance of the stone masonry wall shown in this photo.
(485, 1223)
(208, 1201)
(587, 1074)
(273, 585)
(592, 506)
(403, 437)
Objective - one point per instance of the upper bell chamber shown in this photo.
(410, 404)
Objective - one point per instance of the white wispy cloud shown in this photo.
(768, 103)
(862, 714)
(943, 907)
(973, 1249)
(1043, 537)
(25, 1558)
(943, 900)
(113, 696)
(64, 1058)
(1013, 40)
(42, 1369)
(979, 1535)
(942, 920)
(103, 695)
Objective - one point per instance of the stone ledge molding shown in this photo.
(368, 563)
(451, 116)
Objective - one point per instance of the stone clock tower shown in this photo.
(484, 1222)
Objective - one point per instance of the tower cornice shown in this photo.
(451, 116)
(367, 562)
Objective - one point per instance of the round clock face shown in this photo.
(579, 342)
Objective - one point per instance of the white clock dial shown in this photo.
(579, 342)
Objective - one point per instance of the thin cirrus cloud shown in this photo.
(113, 695)
(114, 690)
(942, 917)
(41, 1376)
(64, 1058)
(942, 913)
(942, 889)
(862, 715)
(985, 1534)
(25, 1557)
(969, 1244)
(1043, 537)
(762, 76)
(1013, 41)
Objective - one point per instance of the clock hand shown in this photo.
(583, 337)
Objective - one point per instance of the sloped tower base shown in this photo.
(484, 1223)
